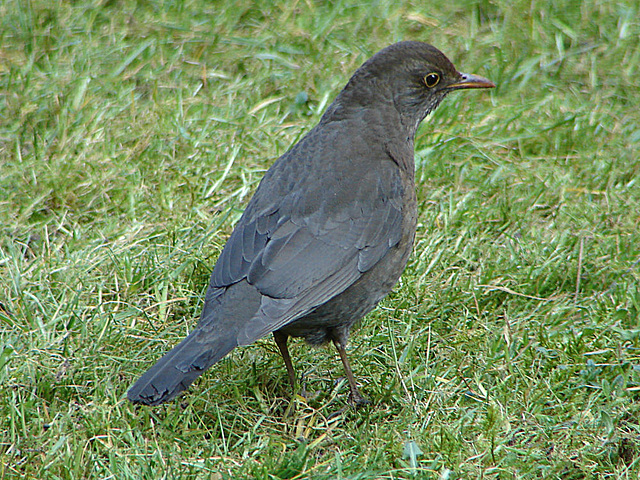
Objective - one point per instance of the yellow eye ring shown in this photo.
(431, 80)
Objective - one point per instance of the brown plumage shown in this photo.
(330, 228)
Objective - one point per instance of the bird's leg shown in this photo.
(281, 341)
(355, 397)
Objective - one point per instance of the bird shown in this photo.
(329, 229)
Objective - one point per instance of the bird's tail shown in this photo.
(179, 368)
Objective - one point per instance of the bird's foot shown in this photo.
(302, 390)
(358, 400)
(355, 404)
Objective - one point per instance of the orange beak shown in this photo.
(468, 80)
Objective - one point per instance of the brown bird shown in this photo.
(330, 227)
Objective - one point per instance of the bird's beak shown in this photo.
(468, 80)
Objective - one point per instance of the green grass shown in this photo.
(132, 133)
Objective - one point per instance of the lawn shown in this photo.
(133, 133)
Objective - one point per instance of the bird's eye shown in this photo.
(431, 80)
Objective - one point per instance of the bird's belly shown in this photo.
(333, 319)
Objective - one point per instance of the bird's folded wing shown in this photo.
(299, 257)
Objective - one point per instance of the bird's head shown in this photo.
(413, 76)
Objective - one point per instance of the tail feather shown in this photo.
(225, 312)
(179, 368)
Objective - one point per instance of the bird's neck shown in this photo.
(380, 119)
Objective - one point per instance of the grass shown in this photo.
(132, 134)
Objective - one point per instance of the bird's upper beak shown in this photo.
(468, 80)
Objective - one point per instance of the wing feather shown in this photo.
(299, 251)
